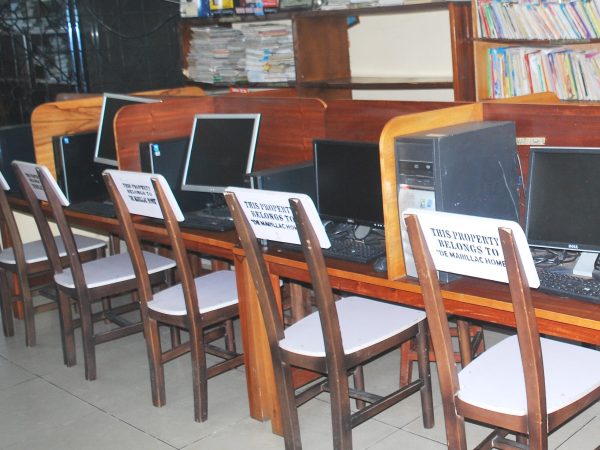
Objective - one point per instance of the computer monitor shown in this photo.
(563, 202)
(349, 182)
(77, 174)
(16, 142)
(221, 152)
(167, 157)
(105, 151)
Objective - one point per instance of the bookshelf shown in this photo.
(321, 49)
(523, 47)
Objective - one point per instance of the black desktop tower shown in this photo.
(471, 168)
(299, 178)
(79, 177)
(167, 158)
(16, 142)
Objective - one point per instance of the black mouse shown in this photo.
(380, 264)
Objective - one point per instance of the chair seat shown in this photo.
(495, 379)
(363, 322)
(113, 269)
(35, 252)
(216, 290)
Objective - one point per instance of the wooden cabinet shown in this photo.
(322, 58)
(522, 48)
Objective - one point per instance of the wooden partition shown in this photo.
(76, 116)
(287, 125)
(540, 122)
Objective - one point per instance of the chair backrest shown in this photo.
(33, 191)
(266, 215)
(149, 195)
(8, 223)
(484, 248)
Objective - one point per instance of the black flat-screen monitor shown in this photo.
(221, 152)
(349, 182)
(16, 142)
(563, 202)
(105, 150)
(167, 157)
(77, 174)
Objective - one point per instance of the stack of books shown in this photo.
(216, 56)
(269, 52)
(533, 19)
(573, 74)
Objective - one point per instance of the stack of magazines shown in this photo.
(216, 56)
(269, 52)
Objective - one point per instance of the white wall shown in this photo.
(407, 45)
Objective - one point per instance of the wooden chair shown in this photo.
(335, 341)
(85, 282)
(205, 306)
(29, 264)
(525, 385)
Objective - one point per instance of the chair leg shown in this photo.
(358, 377)
(287, 404)
(8, 325)
(422, 346)
(67, 331)
(406, 362)
(229, 336)
(340, 412)
(157, 373)
(199, 377)
(87, 334)
(28, 313)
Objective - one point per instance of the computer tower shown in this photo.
(471, 168)
(77, 174)
(16, 142)
(167, 157)
(299, 178)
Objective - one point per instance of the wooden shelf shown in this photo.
(321, 49)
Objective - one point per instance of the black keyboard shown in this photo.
(94, 207)
(206, 222)
(566, 285)
(354, 250)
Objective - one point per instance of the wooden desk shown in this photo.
(467, 297)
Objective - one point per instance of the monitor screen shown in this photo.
(563, 205)
(221, 151)
(105, 151)
(349, 182)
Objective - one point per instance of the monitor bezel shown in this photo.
(540, 243)
(374, 224)
(103, 127)
(251, 150)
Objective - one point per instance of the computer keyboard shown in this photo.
(566, 285)
(354, 250)
(94, 207)
(206, 222)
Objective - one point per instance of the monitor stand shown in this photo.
(585, 264)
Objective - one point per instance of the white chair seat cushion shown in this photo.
(363, 322)
(495, 379)
(113, 269)
(215, 290)
(35, 252)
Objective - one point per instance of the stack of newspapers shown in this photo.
(216, 56)
(269, 52)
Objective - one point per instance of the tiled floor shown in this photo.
(45, 405)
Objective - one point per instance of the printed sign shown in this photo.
(29, 170)
(3, 183)
(270, 215)
(470, 245)
(139, 195)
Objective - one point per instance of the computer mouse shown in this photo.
(380, 264)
